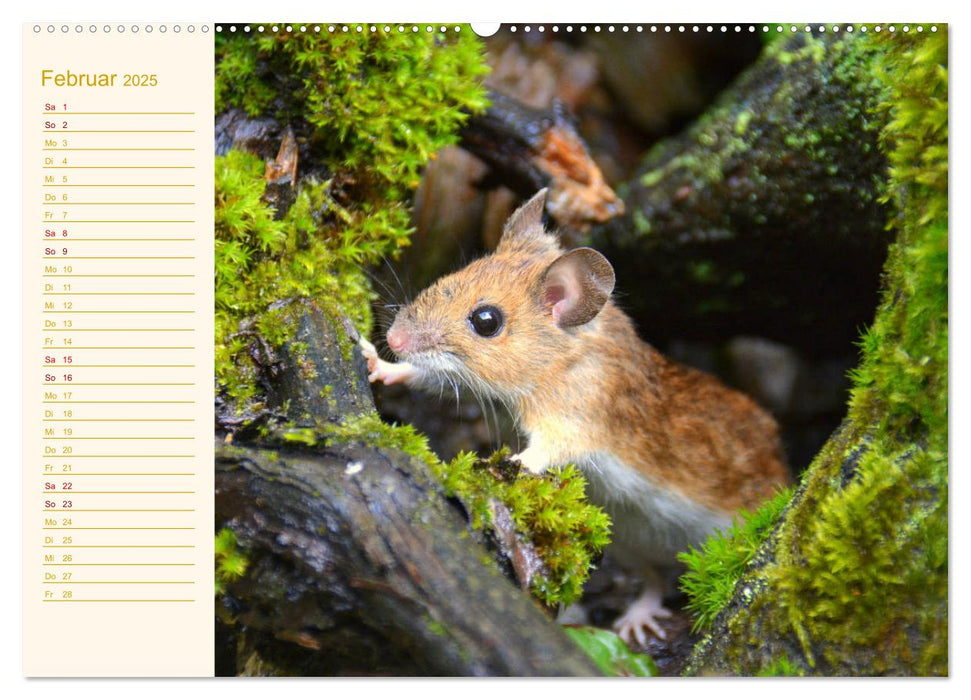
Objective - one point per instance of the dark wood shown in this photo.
(362, 565)
(359, 564)
(528, 149)
(764, 216)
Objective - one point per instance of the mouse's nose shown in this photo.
(398, 339)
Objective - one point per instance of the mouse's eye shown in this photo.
(486, 321)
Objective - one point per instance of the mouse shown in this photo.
(669, 452)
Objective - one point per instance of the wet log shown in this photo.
(529, 149)
(853, 579)
(764, 217)
(358, 563)
(767, 203)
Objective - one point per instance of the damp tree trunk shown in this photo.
(767, 203)
(765, 217)
(358, 563)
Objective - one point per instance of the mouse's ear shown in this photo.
(576, 286)
(525, 226)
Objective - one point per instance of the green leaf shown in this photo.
(610, 653)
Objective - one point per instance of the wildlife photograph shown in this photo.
(581, 350)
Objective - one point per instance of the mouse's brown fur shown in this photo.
(670, 452)
(597, 386)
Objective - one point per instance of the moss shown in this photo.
(315, 250)
(369, 110)
(435, 627)
(782, 666)
(386, 102)
(551, 511)
(231, 559)
(715, 567)
(876, 550)
(732, 130)
(855, 578)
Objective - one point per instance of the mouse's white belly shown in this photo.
(650, 523)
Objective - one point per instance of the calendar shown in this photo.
(520, 349)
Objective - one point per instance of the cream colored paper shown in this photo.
(117, 350)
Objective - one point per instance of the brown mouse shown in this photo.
(669, 452)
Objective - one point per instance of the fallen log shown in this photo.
(358, 563)
(528, 149)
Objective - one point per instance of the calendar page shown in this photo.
(521, 349)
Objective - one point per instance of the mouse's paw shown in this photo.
(385, 372)
(640, 616)
(532, 459)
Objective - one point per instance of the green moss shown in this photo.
(551, 511)
(435, 627)
(873, 565)
(732, 128)
(742, 120)
(855, 578)
(370, 111)
(782, 666)
(386, 102)
(316, 250)
(713, 569)
(231, 560)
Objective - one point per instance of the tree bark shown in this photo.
(854, 578)
(529, 149)
(769, 202)
(373, 571)
(358, 562)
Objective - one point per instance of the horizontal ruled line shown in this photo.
(119, 510)
(152, 402)
(123, 185)
(119, 149)
(118, 600)
(166, 493)
(58, 114)
(119, 275)
(115, 437)
(119, 528)
(118, 546)
(119, 294)
(118, 204)
(71, 366)
(119, 221)
(118, 167)
(125, 583)
(116, 383)
(123, 564)
(111, 366)
(123, 311)
(49, 474)
(119, 420)
(113, 330)
(124, 257)
(119, 131)
(124, 240)
(114, 456)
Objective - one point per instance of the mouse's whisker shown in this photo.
(386, 290)
(401, 287)
(458, 403)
